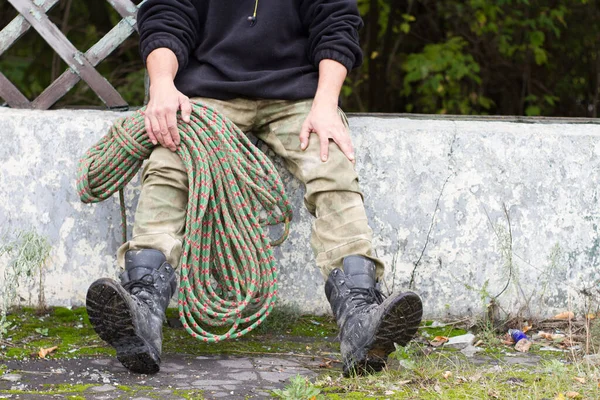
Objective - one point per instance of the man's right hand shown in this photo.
(161, 113)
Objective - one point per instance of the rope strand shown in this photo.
(228, 276)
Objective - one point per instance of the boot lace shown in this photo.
(144, 284)
(366, 296)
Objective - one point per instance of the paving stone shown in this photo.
(236, 363)
(206, 388)
(171, 367)
(244, 376)
(274, 376)
(280, 362)
(103, 388)
(219, 375)
(213, 382)
(11, 377)
(102, 362)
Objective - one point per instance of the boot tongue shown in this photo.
(142, 262)
(360, 270)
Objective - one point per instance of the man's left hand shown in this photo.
(327, 124)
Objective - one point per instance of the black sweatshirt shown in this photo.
(222, 55)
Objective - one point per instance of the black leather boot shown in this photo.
(129, 316)
(369, 324)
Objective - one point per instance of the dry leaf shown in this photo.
(447, 374)
(590, 316)
(564, 315)
(475, 377)
(438, 341)
(479, 342)
(545, 335)
(523, 345)
(493, 393)
(389, 392)
(44, 352)
(579, 379)
(573, 395)
(526, 329)
(326, 364)
(407, 382)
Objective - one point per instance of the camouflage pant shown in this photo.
(332, 192)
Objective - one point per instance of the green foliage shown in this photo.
(299, 388)
(523, 57)
(42, 331)
(441, 76)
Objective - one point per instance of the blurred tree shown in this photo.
(508, 57)
(505, 57)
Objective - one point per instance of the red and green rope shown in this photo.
(228, 277)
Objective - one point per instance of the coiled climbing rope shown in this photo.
(228, 277)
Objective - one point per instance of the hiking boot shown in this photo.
(369, 323)
(129, 315)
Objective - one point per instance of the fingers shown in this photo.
(156, 129)
(324, 141)
(186, 108)
(304, 133)
(173, 130)
(167, 141)
(149, 131)
(161, 126)
(345, 144)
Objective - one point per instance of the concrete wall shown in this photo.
(461, 209)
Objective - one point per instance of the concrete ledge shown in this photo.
(462, 210)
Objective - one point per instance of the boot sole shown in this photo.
(111, 317)
(399, 324)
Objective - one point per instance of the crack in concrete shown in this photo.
(437, 206)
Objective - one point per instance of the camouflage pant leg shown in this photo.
(161, 211)
(332, 195)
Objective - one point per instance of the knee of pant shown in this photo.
(165, 164)
(333, 201)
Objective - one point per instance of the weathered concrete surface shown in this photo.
(460, 210)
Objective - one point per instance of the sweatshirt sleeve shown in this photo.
(173, 24)
(333, 31)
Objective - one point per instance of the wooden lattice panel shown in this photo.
(81, 65)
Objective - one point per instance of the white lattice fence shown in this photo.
(81, 65)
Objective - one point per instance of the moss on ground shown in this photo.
(427, 331)
(76, 391)
(68, 329)
(52, 389)
(285, 331)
